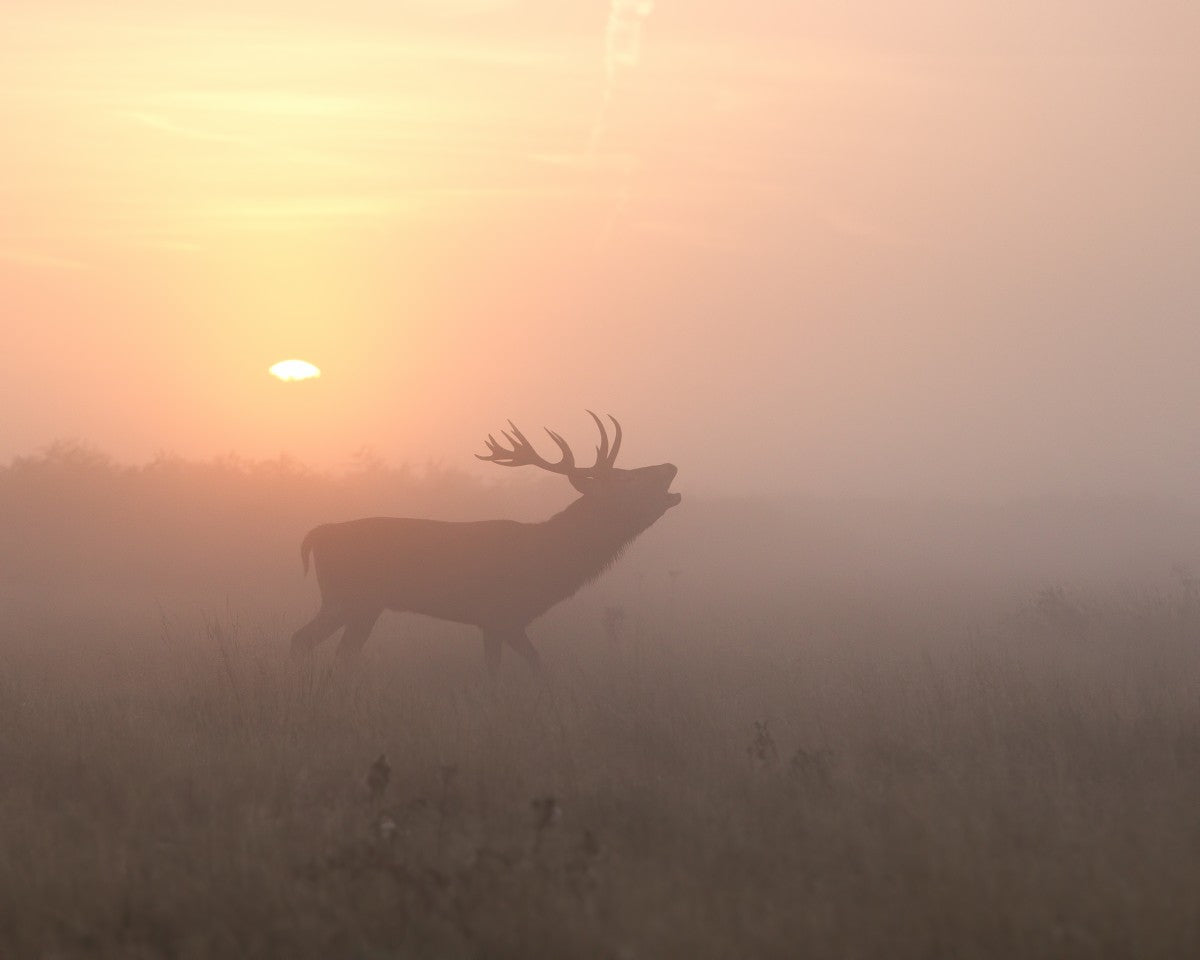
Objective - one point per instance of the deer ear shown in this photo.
(585, 485)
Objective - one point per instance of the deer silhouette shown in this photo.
(498, 575)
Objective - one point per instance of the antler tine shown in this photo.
(568, 460)
(602, 449)
(616, 444)
(493, 447)
(517, 433)
(498, 453)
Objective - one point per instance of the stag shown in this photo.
(498, 575)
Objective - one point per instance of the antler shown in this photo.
(522, 453)
(605, 458)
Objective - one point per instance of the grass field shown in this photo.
(1020, 783)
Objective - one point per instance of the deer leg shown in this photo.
(493, 644)
(321, 627)
(359, 625)
(519, 641)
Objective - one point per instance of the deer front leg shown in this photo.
(359, 625)
(493, 644)
(328, 620)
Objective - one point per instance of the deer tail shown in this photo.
(306, 546)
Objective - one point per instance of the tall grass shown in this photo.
(775, 729)
(1025, 786)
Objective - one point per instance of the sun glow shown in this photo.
(289, 370)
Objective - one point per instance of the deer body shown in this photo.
(498, 575)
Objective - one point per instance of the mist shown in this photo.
(940, 255)
(877, 636)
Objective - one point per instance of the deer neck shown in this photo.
(583, 540)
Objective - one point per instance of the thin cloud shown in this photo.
(34, 258)
(163, 125)
(305, 209)
(622, 163)
(682, 234)
(622, 50)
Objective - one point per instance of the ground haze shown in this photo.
(775, 728)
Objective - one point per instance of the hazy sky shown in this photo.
(928, 248)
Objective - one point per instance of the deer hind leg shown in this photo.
(493, 645)
(494, 640)
(328, 620)
(359, 625)
(519, 641)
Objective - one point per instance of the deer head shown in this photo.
(644, 491)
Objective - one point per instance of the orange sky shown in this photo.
(944, 250)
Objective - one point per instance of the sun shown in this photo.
(289, 370)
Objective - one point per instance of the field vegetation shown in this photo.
(764, 734)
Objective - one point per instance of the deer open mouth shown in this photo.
(673, 499)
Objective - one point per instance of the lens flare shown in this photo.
(289, 370)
